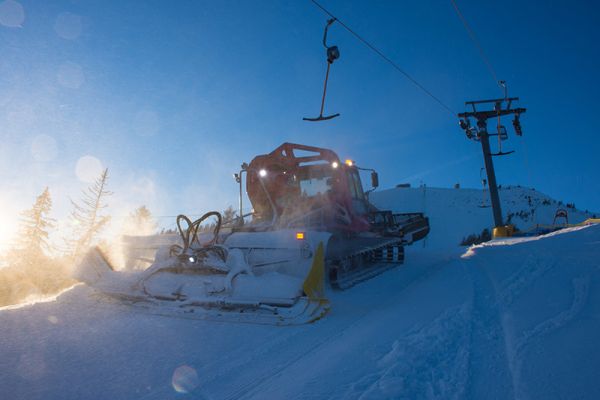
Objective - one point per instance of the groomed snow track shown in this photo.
(514, 319)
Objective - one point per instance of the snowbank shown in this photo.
(456, 213)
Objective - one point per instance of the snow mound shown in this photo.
(544, 292)
(457, 213)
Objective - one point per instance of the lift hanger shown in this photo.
(333, 53)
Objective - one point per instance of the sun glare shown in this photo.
(35, 299)
(8, 225)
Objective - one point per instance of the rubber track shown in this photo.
(362, 273)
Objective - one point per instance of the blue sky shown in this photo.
(172, 96)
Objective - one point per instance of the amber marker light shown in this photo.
(349, 162)
(300, 235)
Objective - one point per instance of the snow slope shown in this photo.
(510, 319)
(456, 213)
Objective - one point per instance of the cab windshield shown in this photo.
(356, 192)
(315, 181)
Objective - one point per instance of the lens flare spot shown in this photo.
(88, 168)
(43, 148)
(12, 14)
(52, 319)
(185, 379)
(68, 26)
(70, 75)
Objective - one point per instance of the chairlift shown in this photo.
(471, 131)
(333, 53)
(502, 132)
(502, 135)
(517, 125)
(483, 184)
(561, 213)
(502, 153)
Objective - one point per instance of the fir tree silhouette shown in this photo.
(87, 217)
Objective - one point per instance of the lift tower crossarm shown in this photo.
(479, 115)
(508, 99)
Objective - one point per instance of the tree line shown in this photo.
(34, 267)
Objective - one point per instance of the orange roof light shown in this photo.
(300, 235)
(349, 162)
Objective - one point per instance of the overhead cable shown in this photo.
(476, 42)
(389, 61)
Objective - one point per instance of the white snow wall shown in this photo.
(456, 213)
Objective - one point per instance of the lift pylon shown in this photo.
(501, 107)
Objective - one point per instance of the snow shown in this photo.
(280, 265)
(456, 213)
(514, 318)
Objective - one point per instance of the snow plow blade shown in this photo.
(281, 281)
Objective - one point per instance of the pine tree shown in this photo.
(35, 226)
(229, 214)
(140, 222)
(28, 269)
(87, 215)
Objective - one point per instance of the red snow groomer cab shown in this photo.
(312, 189)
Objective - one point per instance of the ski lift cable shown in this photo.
(387, 59)
(477, 43)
